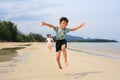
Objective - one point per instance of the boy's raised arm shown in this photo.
(47, 24)
(77, 27)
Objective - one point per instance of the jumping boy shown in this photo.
(61, 43)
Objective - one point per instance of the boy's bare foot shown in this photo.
(60, 67)
(66, 64)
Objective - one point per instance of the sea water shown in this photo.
(108, 50)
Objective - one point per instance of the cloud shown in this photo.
(27, 14)
(100, 16)
(34, 8)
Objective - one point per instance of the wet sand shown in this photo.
(36, 62)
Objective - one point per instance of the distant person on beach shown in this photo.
(49, 42)
(61, 43)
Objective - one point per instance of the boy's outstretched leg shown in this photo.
(58, 59)
(64, 55)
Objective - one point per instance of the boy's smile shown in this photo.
(63, 24)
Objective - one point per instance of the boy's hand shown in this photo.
(82, 24)
(77, 27)
(47, 24)
(43, 23)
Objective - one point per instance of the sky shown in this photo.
(102, 17)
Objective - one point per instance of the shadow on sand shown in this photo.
(83, 74)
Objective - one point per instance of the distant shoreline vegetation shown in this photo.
(81, 39)
(71, 38)
(10, 33)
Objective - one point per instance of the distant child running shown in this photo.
(61, 43)
(49, 42)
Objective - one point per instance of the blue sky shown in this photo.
(102, 17)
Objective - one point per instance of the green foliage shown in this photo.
(5, 33)
(21, 37)
(35, 37)
(9, 32)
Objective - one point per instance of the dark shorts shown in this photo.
(59, 44)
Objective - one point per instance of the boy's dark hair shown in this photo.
(64, 19)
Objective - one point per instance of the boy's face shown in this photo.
(63, 24)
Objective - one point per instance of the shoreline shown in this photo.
(40, 64)
(99, 54)
(106, 50)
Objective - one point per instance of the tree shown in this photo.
(35, 37)
(8, 31)
(5, 34)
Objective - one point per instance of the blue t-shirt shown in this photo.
(61, 33)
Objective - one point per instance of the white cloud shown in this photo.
(98, 15)
(28, 7)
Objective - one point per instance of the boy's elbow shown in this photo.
(52, 26)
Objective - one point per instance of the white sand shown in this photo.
(41, 65)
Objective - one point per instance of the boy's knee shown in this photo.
(63, 47)
(58, 58)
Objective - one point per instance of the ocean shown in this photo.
(108, 50)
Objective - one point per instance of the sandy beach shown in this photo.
(36, 62)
